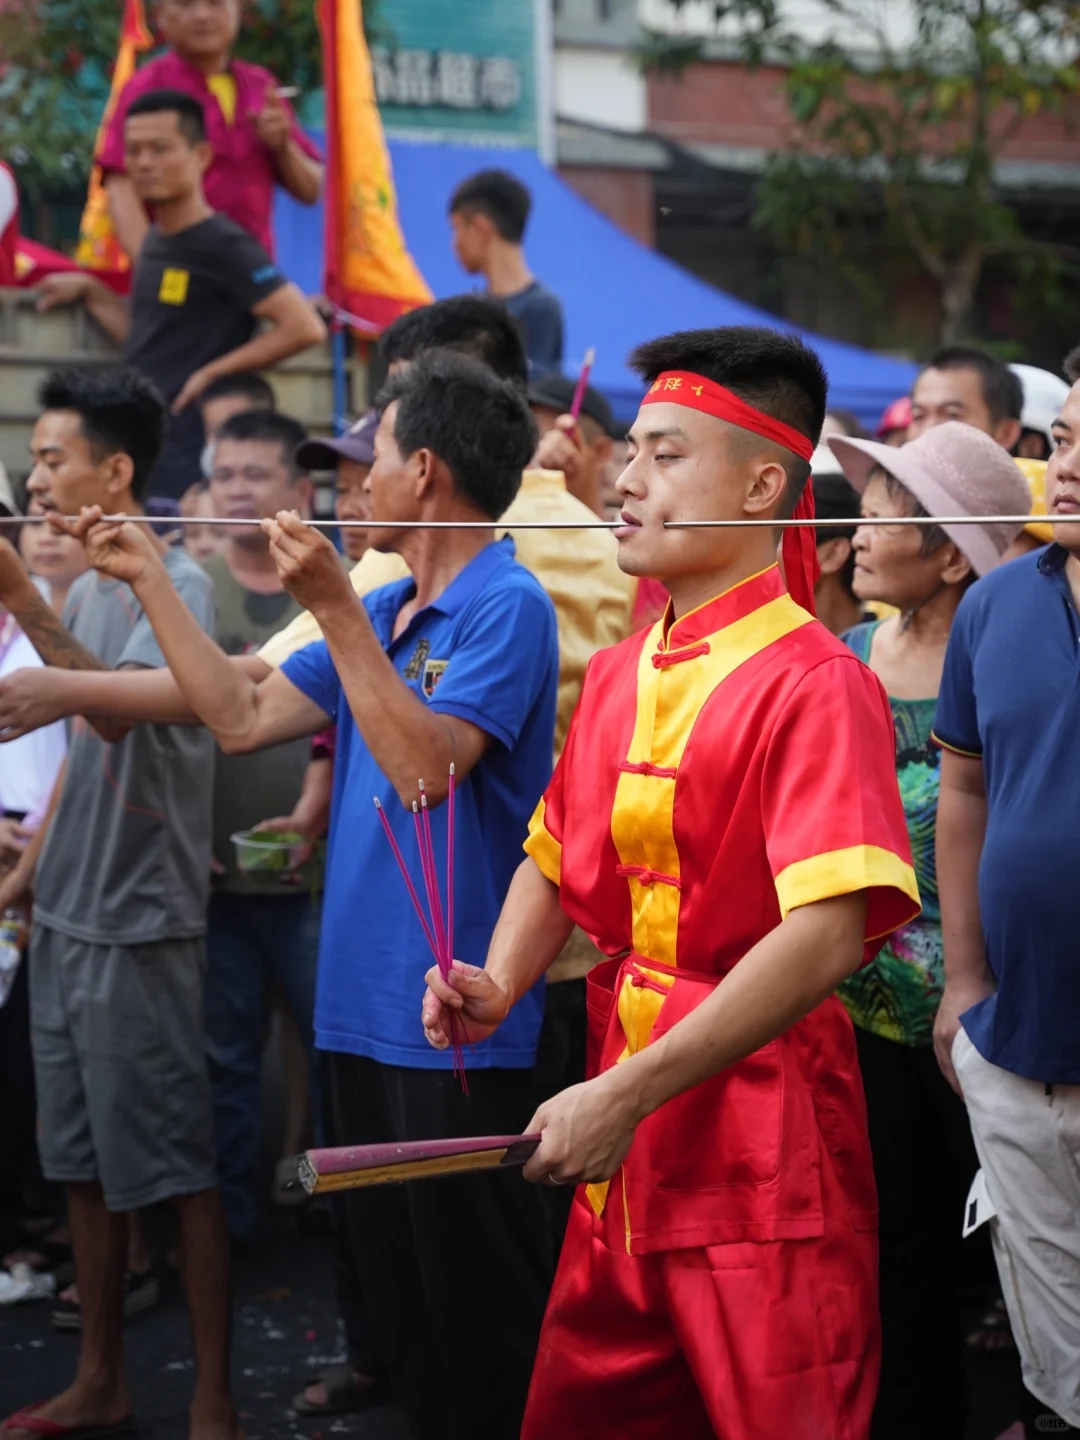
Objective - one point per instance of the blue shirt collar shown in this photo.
(1052, 560)
(385, 603)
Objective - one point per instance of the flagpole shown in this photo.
(339, 376)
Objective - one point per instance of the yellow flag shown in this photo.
(368, 270)
(99, 249)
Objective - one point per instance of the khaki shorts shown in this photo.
(122, 1086)
(1028, 1139)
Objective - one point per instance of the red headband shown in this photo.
(683, 387)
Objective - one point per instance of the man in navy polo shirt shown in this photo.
(458, 663)
(1008, 834)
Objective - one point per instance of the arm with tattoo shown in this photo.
(42, 627)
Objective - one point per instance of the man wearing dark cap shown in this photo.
(581, 448)
(351, 457)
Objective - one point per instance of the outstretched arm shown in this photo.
(243, 714)
(32, 698)
(42, 627)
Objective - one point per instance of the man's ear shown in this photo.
(426, 465)
(767, 486)
(833, 554)
(1007, 433)
(204, 154)
(119, 473)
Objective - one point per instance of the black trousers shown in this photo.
(455, 1272)
(360, 1343)
(560, 1063)
(924, 1162)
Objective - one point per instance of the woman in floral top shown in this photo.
(924, 1159)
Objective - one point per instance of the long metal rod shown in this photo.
(818, 523)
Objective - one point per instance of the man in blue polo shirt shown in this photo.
(458, 663)
(1008, 834)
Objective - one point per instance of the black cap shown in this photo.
(556, 392)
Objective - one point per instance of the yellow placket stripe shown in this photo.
(669, 701)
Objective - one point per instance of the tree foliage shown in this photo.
(904, 136)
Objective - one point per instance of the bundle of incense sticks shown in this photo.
(439, 934)
(352, 1166)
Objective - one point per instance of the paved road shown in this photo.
(285, 1329)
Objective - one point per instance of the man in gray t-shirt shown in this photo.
(117, 952)
(127, 859)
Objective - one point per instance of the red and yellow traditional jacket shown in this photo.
(720, 771)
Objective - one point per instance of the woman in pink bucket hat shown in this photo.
(923, 1154)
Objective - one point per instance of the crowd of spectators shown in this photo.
(194, 861)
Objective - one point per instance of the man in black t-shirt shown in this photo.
(200, 288)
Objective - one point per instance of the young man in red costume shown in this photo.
(725, 823)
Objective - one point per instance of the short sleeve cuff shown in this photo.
(475, 717)
(968, 752)
(894, 891)
(544, 849)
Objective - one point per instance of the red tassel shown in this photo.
(801, 568)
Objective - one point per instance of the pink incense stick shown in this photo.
(582, 382)
(437, 937)
(426, 871)
(435, 906)
(450, 866)
(436, 897)
(408, 880)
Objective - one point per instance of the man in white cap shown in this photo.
(1006, 1033)
(919, 1135)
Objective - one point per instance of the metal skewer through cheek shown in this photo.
(816, 523)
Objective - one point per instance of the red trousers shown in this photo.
(773, 1340)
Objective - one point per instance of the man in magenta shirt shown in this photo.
(256, 140)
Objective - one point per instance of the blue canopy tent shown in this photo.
(615, 292)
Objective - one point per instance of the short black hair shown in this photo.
(189, 113)
(498, 195)
(475, 325)
(268, 425)
(121, 413)
(1071, 365)
(246, 383)
(769, 369)
(1002, 392)
(835, 498)
(477, 423)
